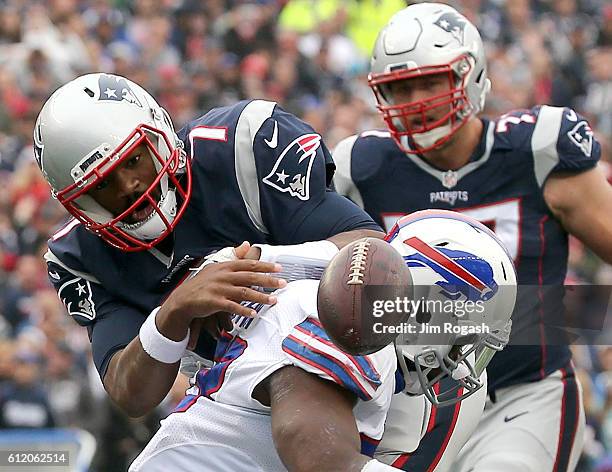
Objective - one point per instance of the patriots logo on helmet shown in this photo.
(291, 172)
(582, 136)
(38, 146)
(116, 89)
(452, 23)
(76, 295)
(462, 273)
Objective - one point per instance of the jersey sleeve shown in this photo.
(562, 141)
(295, 171)
(111, 325)
(334, 214)
(82, 295)
(577, 147)
(308, 346)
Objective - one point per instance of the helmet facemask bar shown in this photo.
(457, 365)
(112, 228)
(469, 382)
(399, 116)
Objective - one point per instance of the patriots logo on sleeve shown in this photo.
(452, 23)
(582, 136)
(76, 295)
(460, 273)
(117, 90)
(291, 172)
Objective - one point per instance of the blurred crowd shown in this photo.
(311, 56)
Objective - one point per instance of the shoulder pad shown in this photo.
(308, 346)
(562, 140)
(69, 244)
(370, 151)
(343, 180)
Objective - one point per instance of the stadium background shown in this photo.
(308, 55)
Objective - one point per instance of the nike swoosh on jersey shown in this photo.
(510, 418)
(274, 140)
(54, 275)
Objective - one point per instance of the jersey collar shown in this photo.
(450, 178)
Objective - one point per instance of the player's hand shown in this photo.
(213, 324)
(221, 287)
(246, 251)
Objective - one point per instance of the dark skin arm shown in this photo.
(340, 239)
(312, 422)
(135, 381)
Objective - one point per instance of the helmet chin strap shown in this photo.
(411, 380)
(154, 225)
(429, 138)
(426, 139)
(461, 372)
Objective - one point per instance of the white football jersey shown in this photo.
(289, 333)
(219, 426)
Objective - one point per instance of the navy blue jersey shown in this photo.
(502, 186)
(259, 174)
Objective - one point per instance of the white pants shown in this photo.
(444, 431)
(534, 427)
(211, 437)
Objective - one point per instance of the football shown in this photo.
(353, 290)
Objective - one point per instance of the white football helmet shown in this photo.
(426, 39)
(85, 130)
(466, 283)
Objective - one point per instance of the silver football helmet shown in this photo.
(426, 39)
(85, 130)
(465, 282)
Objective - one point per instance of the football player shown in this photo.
(282, 396)
(530, 175)
(148, 204)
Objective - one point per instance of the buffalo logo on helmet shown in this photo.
(116, 89)
(452, 23)
(461, 273)
(291, 172)
(582, 136)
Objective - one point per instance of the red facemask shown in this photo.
(113, 231)
(410, 119)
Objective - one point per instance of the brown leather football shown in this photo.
(360, 278)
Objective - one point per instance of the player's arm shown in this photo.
(575, 190)
(315, 248)
(112, 325)
(316, 424)
(139, 376)
(138, 354)
(312, 423)
(583, 204)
